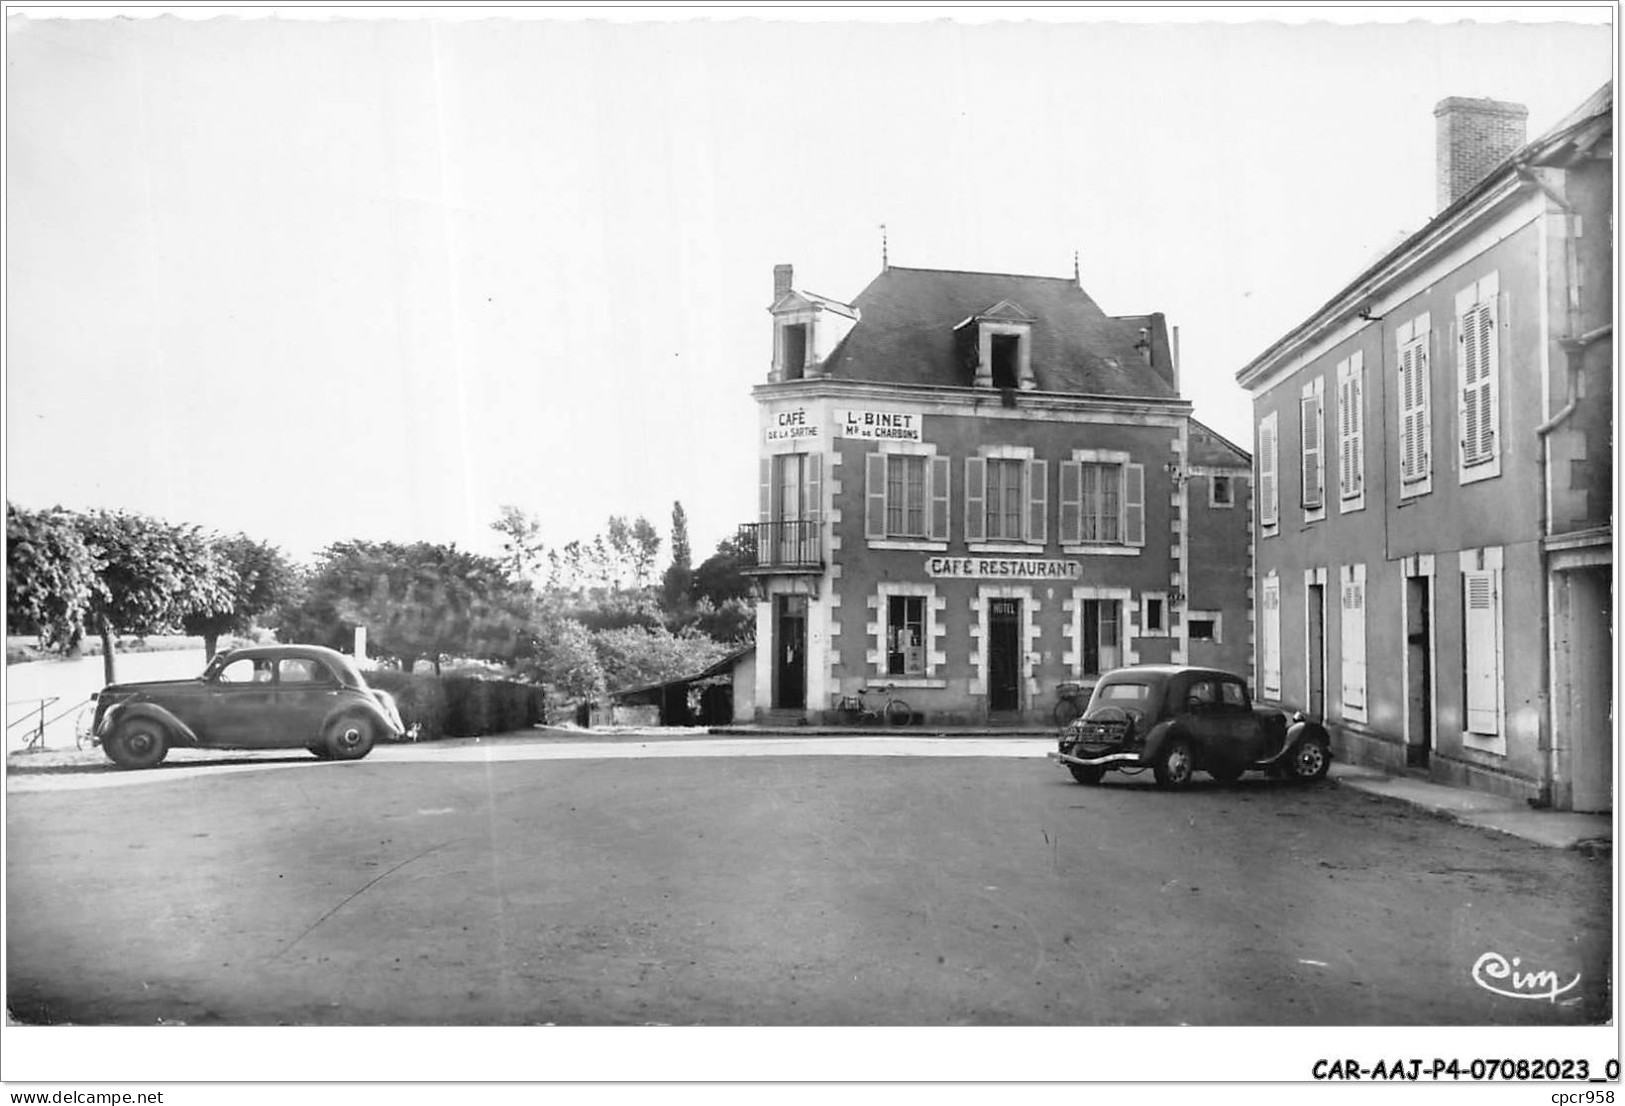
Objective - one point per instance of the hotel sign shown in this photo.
(890, 426)
(791, 426)
(1001, 568)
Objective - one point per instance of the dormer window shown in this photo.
(998, 344)
(795, 351)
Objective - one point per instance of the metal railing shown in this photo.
(792, 544)
(35, 715)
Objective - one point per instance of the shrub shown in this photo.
(421, 699)
(476, 707)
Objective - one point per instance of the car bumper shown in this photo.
(1106, 760)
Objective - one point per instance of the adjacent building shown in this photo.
(975, 487)
(1434, 476)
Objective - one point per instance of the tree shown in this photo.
(261, 578)
(153, 575)
(679, 577)
(522, 550)
(418, 601)
(634, 656)
(51, 575)
(720, 576)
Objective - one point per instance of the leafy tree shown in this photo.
(634, 655)
(51, 575)
(153, 575)
(261, 577)
(720, 576)
(679, 577)
(732, 621)
(418, 601)
(564, 660)
(522, 550)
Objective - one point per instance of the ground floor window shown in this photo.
(905, 635)
(1102, 636)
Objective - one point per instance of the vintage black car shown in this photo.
(1177, 720)
(265, 697)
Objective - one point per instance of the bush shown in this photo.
(461, 706)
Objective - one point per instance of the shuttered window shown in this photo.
(1481, 603)
(1311, 439)
(906, 496)
(1478, 352)
(1351, 428)
(1102, 503)
(1353, 642)
(1006, 499)
(1268, 500)
(1414, 462)
(1270, 608)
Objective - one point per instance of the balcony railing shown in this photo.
(792, 545)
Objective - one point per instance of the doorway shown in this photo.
(1315, 645)
(791, 665)
(1004, 655)
(1419, 671)
(1585, 694)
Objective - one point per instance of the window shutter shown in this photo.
(1038, 502)
(975, 499)
(1309, 428)
(812, 503)
(1354, 640)
(1267, 503)
(1345, 453)
(1357, 426)
(1481, 610)
(874, 479)
(1071, 502)
(1133, 504)
(1270, 601)
(767, 490)
(1478, 341)
(1413, 390)
(938, 481)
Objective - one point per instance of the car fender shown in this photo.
(362, 706)
(1159, 737)
(1307, 727)
(179, 732)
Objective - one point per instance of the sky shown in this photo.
(319, 278)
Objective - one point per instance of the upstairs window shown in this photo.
(1006, 500)
(1221, 493)
(1351, 433)
(1269, 506)
(1478, 356)
(1102, 500)
(906, 496)
(795, 351)
(1311, 443)
(1415, 420)
(1006, 350)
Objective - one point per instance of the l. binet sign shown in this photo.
(892, 426)
(1001, 568)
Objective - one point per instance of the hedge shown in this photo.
(461, 706)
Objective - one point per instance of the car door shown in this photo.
(306, 692)
(1247, 735)
(235, 704)
(1199, 715)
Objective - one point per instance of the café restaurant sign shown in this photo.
(1001, 568)
(792, 425)
(890, 426)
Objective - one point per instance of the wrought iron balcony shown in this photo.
(787, 546)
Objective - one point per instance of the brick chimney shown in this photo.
(1473, 137)
(783, 278)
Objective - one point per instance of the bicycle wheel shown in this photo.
(898, 713)
(1066, 712)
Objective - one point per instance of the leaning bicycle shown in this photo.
(1072, 700)
(892, 712)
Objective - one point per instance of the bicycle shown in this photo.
(893, 712)
(1072, 702)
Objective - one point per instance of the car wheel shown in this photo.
(319, 751)
(138, 744)
(1176, 766)
(1087, 773)
(349, 738)
(1226, 773)
(1312, 759)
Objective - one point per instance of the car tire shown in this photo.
(141, 743)
(1087, 773)
(1176, 765)
(349, 737)
(319, 751)
(1311, 759)
(1226, 773)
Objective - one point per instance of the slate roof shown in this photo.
(1207, 447)
(905, 334)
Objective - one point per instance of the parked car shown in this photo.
(264, 697)
(1177, 720)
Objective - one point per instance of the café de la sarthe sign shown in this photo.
(1001, 568)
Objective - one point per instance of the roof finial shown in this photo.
(1076, 279)
(885, 262)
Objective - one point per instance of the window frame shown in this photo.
(1414, 394)
(1351, 433)
(1130, 490)
(1269, 484)
(1478, 401)
(1312, 448)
